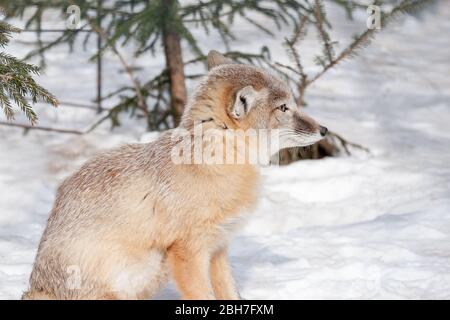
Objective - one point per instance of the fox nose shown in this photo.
(323, 131)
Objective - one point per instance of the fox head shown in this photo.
(238, 96)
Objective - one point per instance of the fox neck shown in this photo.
(208, 106)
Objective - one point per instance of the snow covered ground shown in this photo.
(367, 226)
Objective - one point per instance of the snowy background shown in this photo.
(366, 226)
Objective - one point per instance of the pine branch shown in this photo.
(17, 83)
(89, 129)
(320, 19)
(299, 34)
(345, 143)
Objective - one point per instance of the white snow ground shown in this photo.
(365, 226)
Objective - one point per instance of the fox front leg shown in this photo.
(221, 276)
(190, 270)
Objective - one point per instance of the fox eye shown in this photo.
(283, 107)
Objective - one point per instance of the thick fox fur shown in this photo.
(130, 217)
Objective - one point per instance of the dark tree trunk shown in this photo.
(175, 68)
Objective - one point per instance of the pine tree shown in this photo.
(16, 81)
(148, 24)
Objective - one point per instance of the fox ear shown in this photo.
(244, 102)
(215, 59)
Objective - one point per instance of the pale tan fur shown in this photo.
(130, 217)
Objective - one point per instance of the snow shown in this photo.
(367, 226)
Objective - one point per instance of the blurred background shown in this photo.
(364, 214)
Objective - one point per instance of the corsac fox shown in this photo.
(130, 217)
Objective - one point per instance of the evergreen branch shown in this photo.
(345, 143)
(259, 26)
(6, 105)
(17, 83)
(285, 66)
(299, 34)
(320, 18)
(89, 129)
(41, 128)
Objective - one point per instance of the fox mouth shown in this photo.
(300, 138)
(307, 138)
